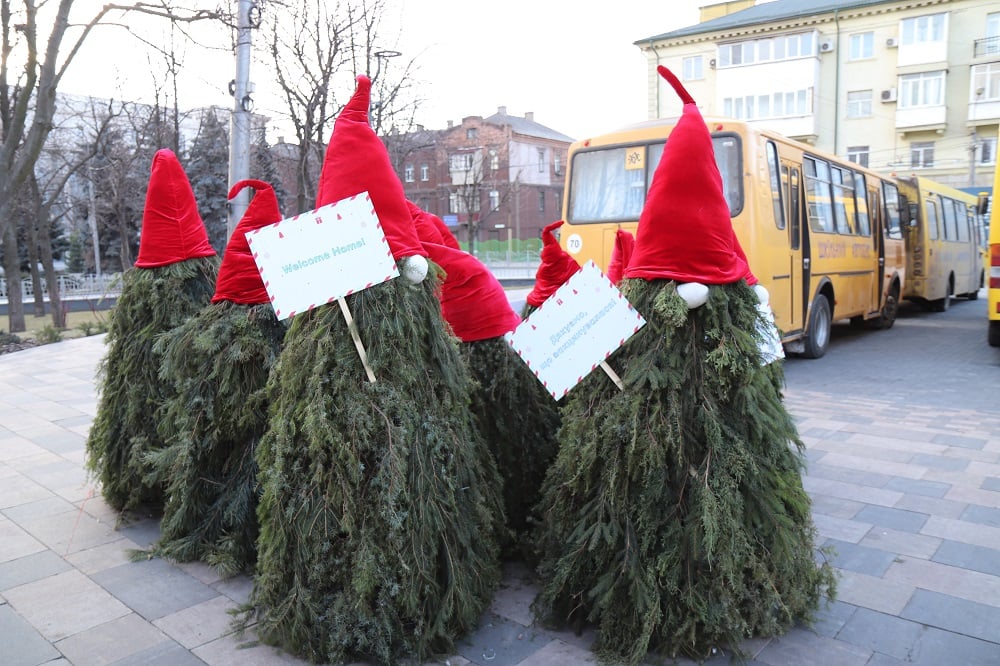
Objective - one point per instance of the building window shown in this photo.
(922, 154)
(784, 47)
(862, 46)
(776, 105)
(693, 68)
(858, 155)
(986, 82)
(471, 133)
(923, 29)
(408, 173)
(494, 200)
(541, 160)
(541, 201)
(425, 172)
(494, 160)
(923, 89)
(556, 164)
(986, 151)
(461, 202)
(859, 103)
(460, 162)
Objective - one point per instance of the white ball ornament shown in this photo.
(762, 294)
(414, 269)
(694, 294)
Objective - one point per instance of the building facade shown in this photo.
(905, 86)
(499, 177)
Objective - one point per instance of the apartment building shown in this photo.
(898, 85)
(488, 178)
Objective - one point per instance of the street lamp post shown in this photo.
(384, 54)
(239, 134)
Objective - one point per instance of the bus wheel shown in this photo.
(994, 334)
(942, 304)
(818, 339)
(887, 317)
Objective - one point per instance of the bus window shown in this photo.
(890, 193)
(963, 217)
(772, 169)
(655, 152)
(729, 159)
(608, 185)
(793, 207)
(818, 204)
(948, 217)
(864, 222)
(843, 200)
(931, 219)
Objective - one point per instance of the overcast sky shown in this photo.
(573, 64)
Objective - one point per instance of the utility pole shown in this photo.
(972, 158)
(239, 130)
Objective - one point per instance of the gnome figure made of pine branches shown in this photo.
(219, 361)
(172, 280)
(513, 410)
(382, 505)
(675, 517)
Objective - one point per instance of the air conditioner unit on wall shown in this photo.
(826, 46)
(891, 43)
(889, 95)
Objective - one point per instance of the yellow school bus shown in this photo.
(943, 231)
(993, 286)
(822, 234)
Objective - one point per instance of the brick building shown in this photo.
(488, 178)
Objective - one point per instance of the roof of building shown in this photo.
(764, 13)
(526, 127)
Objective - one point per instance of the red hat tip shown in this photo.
(249, 182)
(675, 84)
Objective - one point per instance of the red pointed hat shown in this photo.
(685, 232)
(620, 255)
(172, 228)
(239, 279)
(556, 267)
(427, 231)
(357, 161)
(472, 300)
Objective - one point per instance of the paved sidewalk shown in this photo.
(910, 499)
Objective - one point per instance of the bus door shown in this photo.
(789, 297)
(934, 278)
(877, 229)
(773, 259)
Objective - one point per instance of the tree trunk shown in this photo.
(12, 269)
(37, 290)
(45, 255)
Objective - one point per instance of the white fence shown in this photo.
(71, 287)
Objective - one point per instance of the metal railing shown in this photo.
(986, 46)
(71, 287)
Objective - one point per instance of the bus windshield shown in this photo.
(610, 184)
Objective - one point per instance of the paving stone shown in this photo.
(826, 433)
(936, 648)
(144, 530)
(105, 556)
(167, 653)
(901, 543)
(801, 646)
(21, 645)
(940, 462)
(963, 442)
(30, 568)
(64, 604)
(879, 632)
(15, 543)
(961, 530)
(154, 588)
(19, 489)
(962, 583)
(890, 463)
(836, 507)
(968, 556)
(501, 642)
(70, 531)
(877, 594)
(950, 613)
(232, 650)
(991, 483)
(932, 506)
(918, 487)
(860, 559)
(199, 624)
(109, 642)
(972, 495)
(898, 519)
(982, 515)
(826, 476)
(47, 506)
(829, 527)
(830, 617)
(237, 588)
(512, 600)
(557, 653)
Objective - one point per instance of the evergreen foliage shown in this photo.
(208, 171)
(153, 301)
(381, 504)
(675, 514)
(263, 166)
(218, 363)
(519, 420)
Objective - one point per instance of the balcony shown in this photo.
(986, 46)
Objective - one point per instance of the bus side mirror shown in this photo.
(913, 214)
(983, 204)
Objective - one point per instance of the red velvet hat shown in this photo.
(172, 228)
(685, 232)
(357, 161)
(239, 280)
(472, 300)
(556, 267)
(620, 255)
(427, 231)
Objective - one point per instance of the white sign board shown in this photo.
(575, 330)
(322, 255)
